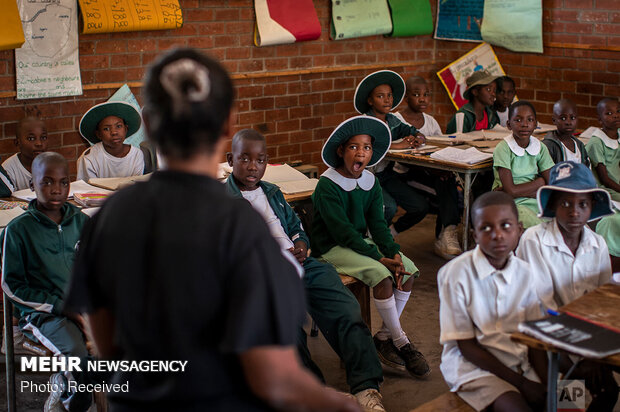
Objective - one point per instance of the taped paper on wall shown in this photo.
(359, 18)
(11, 32)
(285, 21)
(411, 17)
(107, 16)
(515, 25)
(459, 20)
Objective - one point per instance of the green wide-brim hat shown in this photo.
(479, 78)
(375, 128)
(91, 119)
(368, 84)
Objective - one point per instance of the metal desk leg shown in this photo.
(9, 353)
(552, 381)
(466, 197)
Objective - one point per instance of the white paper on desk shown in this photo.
(282, 173)
(9, 214)
(424, 149)
(298, 186)
(79, 186)
(116, 183)
(586, 134)
(469, 156)
(544, 128)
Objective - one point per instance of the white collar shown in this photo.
(366, 181)
(533, 148)
(607, 141)
(484, 269)
(553, 237)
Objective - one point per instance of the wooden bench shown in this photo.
(361, 293)
(447, 402)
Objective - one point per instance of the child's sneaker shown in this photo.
(388, 354)
(370, 400)
(58, 385)
(447, 246)
(414, 361)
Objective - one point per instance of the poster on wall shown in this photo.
(459, 20)
(285, 22)
(47, 65)
(359, 18)
(411, 17)
(454, 75)
(515, 25)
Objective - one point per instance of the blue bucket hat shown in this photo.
(370, 82)
(375, 128)
(573, 177)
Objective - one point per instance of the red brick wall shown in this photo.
(297, 111)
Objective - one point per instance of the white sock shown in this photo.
(393, 231)
(401, 299)
(389, 314)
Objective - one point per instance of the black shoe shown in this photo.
(414, 361)
(388, 354)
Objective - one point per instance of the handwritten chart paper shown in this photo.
(47, 65)
(515, 25)
(105, 16)
(459, 20)
(285, 21)
(359, 18)
(11, 32)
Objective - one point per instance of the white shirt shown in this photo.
(481, 302)
(96, 162)
(572, 156)
(17, 172)
(503, 117)
(259, 202)
(430, 127)
(565, 277)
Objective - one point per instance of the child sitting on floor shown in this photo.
(483, 295)
(106, 126)
(561, 143)
(504, 95)
(521, 163)
(332, 306)
(37, 256)
(571, 260)
(31, 139)
(347, 206)
(478, 113)
(603, 147)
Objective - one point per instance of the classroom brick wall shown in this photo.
(296, 94)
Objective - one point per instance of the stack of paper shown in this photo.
(115, 183)
(469, 156)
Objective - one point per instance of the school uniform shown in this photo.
(332, 306)
(188, 273)
(37, 259)
(6, 185)
(469, 120)
(480, 302)
(560, 153)
(503, 117)
(430, 127)
(609, 228)
(602, 149)
(16, 171)
(96, 162)
(525, 165)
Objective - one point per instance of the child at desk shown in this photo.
(571, 260)
(37, 257)
(30, 139)
(561, 143)
(106, 126)
(504, 95)
(483, 295)
(521, 163)
(478, 113)
(332, 306)
(347, 206)
(603, 147)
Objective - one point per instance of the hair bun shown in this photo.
(186, 81)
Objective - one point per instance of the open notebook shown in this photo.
(115, 183)
(469, 156)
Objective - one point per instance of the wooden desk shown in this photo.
(296, 197)
(469, 171)
(602, 305)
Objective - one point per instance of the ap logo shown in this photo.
(571, 396)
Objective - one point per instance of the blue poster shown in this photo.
(459, 20)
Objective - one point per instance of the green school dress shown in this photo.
(609, 228)
(525, 165)
(602, 149)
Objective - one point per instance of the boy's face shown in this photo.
(381, 99)
(249, 161)
(572, 210)
(356, 154)
(32, 139)
(522, 123)
(610, 116)
(485, 94)
(111, 131)
(51, 187)
(497, 231)
(505, 95)
(418, 97)
(565, 119)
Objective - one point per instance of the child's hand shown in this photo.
(396, 267)
(300, 251)
(534, 393)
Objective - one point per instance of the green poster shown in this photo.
(359, 18)
(411, 17)
(513, 24)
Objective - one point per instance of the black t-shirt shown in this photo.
(188, 273)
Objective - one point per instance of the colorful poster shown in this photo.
(285, 21)
(459, 20)
(359, 18)
(513, 24)
(411, 17)
(454, 75)
(48, 65)
(11, 32)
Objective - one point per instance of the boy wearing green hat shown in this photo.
(348, 205)
(478, 113)
(105, 126)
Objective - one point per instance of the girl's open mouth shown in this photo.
(357, 166)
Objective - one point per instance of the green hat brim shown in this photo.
(480, 82)
(375, 128)
(91, 119)
(368, 84)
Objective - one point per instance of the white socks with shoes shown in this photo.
(388, 311)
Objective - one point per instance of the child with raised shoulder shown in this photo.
(478, 112)
(348, 206)
(562, 144)
(603, 147)
(483, 296)
(504, 95)
(571, 260)
(31, 140)
(106, 126)
(521, 163)
(376, 96)
(38, 250)
(330, 304)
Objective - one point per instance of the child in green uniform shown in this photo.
(478, 113)
(609, 228)
(521, 163)
(603, 147)
(347, 205)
